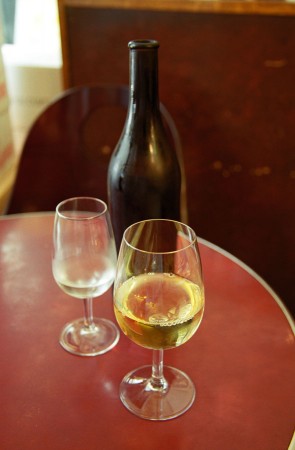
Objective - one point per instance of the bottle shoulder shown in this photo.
(145, 140)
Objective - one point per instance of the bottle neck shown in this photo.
(144, 97)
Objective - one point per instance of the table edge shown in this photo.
(209, 244)
(26, 215)
(264, 284)
(258, 278)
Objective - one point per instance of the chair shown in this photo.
(67, 150)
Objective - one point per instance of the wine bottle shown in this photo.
(144, 174)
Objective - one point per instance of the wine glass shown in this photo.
(83, 265)
(159, 304)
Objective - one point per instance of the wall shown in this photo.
(228, 81)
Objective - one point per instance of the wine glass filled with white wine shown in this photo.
(84, 264)
(159, 304)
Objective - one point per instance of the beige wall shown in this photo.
(7, 153)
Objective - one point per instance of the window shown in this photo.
(32, 60)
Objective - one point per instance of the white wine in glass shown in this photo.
(159, 304)
(83, 266)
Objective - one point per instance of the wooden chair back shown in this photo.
(68, 148)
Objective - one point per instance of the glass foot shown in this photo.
(142, 399)
(92, 341)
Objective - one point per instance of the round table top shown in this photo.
(242, 361)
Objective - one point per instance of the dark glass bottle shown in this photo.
(144, 176)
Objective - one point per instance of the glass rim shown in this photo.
(190, 243)
(94, 215)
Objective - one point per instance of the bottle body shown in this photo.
(144, 177)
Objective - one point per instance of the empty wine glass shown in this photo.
(159, 304)
(83, 265)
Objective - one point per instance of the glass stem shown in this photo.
(158, 381)
(88, 313)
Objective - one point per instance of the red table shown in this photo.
(242, 360)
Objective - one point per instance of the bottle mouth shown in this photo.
(143, 43)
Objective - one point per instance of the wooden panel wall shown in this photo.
(229, 82)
